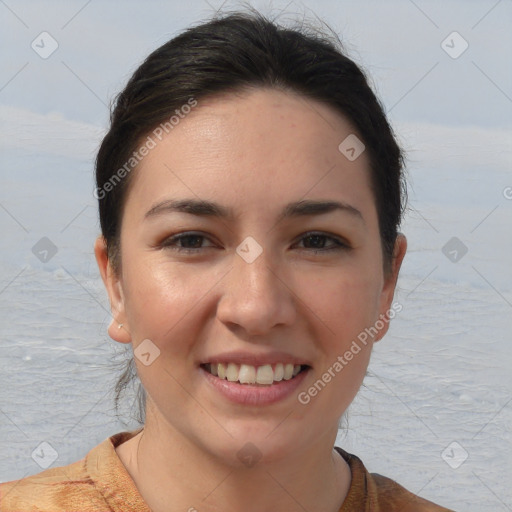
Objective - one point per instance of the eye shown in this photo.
(318, 240)
(191, 241)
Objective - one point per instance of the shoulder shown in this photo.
(53, 489)
(377, 493)
(391, 494)
(98, 481)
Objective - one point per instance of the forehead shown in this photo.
(255, 147)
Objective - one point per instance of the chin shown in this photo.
(262, 441)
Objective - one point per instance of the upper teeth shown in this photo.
(248, 374)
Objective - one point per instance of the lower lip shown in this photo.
(248, 394)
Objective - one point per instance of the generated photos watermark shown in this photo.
(150, 143)
(305, 397)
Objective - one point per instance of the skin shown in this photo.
(252, 152)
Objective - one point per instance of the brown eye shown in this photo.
(317, 242)
(185, 242)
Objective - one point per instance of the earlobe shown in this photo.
(119, 332)
(388, 291)
(115, 294)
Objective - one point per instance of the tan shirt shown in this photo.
(100, 483)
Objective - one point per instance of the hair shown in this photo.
(234, 53)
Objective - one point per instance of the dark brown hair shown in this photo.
(233, 53)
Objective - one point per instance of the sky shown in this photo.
(398, 42)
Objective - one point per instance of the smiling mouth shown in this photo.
(265, 375)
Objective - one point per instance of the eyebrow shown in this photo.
(206, 208)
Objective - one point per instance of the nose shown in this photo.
(257, 297)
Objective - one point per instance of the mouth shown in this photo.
(264, 375)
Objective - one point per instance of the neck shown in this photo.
(168, 469)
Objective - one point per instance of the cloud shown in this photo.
(438, 145)
(49, 133)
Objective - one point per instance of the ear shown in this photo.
(115, 294)
(390, 280)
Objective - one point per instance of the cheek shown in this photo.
(346, 302)
(347, 305)
(164, 305)
(160, 301)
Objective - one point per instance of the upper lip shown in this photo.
(271, 358)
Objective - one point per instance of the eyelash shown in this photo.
(170, 243)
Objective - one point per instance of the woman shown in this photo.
(250, 190)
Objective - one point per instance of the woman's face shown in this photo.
(257, 279)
